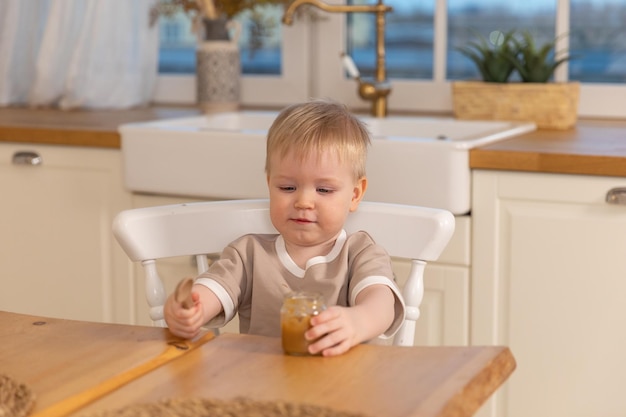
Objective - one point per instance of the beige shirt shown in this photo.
(255, 272)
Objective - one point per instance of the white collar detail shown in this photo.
(292, 267)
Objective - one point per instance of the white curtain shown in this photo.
(77, 53)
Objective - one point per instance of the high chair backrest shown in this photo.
(198, 229)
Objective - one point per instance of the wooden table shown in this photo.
(61, 358)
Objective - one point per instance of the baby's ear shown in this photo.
(358, 193)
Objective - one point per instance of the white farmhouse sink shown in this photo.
(413, 160)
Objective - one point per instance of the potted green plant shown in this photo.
(498, 96)
(494, 59)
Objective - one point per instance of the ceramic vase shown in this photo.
(218, 66)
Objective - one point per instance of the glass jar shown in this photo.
(295, 319)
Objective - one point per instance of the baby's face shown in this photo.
(310, 199)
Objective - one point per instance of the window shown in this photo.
(421, 37)
(259, 40)
(271, 77)
(598, 37)
(467, 17)
(409, 39)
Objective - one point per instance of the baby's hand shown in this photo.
(337, 329)
(334, 331)
(184, 322)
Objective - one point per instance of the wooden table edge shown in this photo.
(482, 386)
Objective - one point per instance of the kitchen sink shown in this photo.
(413, 160)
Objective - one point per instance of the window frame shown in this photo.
(256, 90)
(312, 68)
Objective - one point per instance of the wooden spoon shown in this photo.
(182, 294)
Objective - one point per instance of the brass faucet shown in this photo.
(378, 89)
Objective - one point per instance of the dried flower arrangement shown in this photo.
(203, 12)
(210, 9)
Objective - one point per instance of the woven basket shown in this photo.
(548, 105)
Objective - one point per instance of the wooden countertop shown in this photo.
(594, 147)
(78, 127)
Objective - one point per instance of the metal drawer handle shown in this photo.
(27, 158)
(616, 196)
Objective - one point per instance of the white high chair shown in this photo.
(198, 229)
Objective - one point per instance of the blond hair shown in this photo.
(319, 125)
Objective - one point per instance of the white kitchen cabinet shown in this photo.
(444, 314)
(58, 256)
(549, 281)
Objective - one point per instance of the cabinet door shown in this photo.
(58, 256)
(549, 280)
